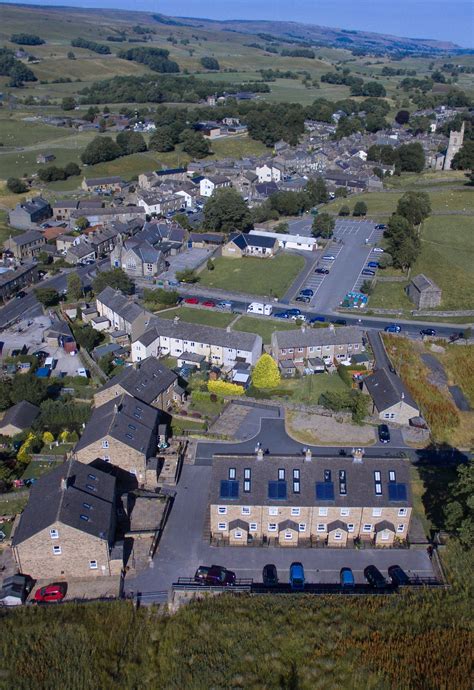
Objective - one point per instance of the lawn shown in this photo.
(204, 316)
(269, 277)
(37, 469)
(262, 327)
(309, 388)
(390, 296)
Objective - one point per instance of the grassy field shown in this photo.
(206, 317)
(309, 388)
(271, 277)
(263, 327)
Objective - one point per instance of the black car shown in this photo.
(339, 322)
(384, 433)
(20, 295)
(41, 354)
(323, 271)
(398, 576)
(270, 575)
(428, 331)
(380, 226)
(374, 577)
(303, 298)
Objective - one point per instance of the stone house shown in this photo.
(18, 418)
(302, 500)
(390, 400)
(17, 278)
(24, 215)
(209, 184)
(122, 312)
(68, 526)
(25, 246)
(80, 253)
(122, 431)
(158, 202)
(219, 346)
(139, 259)
(329, 344)
(243, 244)
(63, 207)
(149, 381)
(424, 292)
(102, 184)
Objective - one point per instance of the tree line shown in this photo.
(90, 45)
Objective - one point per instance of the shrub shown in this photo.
(224, 388)
(48, 437)
(266, 373)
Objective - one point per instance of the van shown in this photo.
(260, 308)
(50, 362)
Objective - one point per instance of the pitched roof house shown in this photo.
(327, 343)
(390, 398)
(18, 418)
(122, 312)
(243, 244)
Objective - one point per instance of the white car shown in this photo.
(378, 249)
(298, 317)
(83, 372)
(330, 257)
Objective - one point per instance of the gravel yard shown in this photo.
(318, 430)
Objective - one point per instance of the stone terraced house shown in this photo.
(328, 344)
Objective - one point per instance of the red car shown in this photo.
(53, 592)
(214, 575)
(191, 300)
(209, 303)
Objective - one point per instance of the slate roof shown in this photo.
(93, 181)
(316, 337)
(143, 250)
(119, 304)
(266, 188)
(422, 283)
(60, 495)
(26, 238)
(125, 419)
(359, 480)
(193, 332)
(145, 381)
(243, 240)
(81, 250)
(22, 415)
(387, 389)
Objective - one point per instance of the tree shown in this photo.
(187, 275)
(341, 193)
(366, 287)
(16, 186)
(360, 209)
(74, 287)
(115, 278)
(344, 211)
(47, 296)
(68, 103)
(209, 63)
(70, 55)
(100, 150)
(210, 265)
(323, 226)
(464, 158)
(402, 242)
(162, 140)
(402, 117)
(72, 170)
(317, 191)
(385, 260)
(131, 142)
(5, 392)
(161, 296)
(87, 337)
(226, 211)
(28, 387)
(459, 510)
(266, 373)
(106, 363)
(282, 228)
(412, 157)
(195, 144)
(82, 223)
(414, 206)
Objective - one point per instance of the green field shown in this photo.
(206, 317)
(263, 327)
(265, 277)
(308, 388)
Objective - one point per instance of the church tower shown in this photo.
(455, 143)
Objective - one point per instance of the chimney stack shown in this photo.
(357, 454)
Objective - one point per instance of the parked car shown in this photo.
(378, 249)
(83, 372)
(323, 271)
(191, 300)
(15, 590)
(398, 576)
(373, 264)
(303, 298)
(317, 319)
(374, 577)
(346, 578)
(392, 328)
(307, 292)
(53, 592)
(339, 322)
(367, 272)
(214, 575)
(224, 305)
(384, 433)
(329, 257)
(298, 317)
(456, 336)
(270, 575)
(380, 226)
(281, 315)
(428, 331)
(20, 295)
(41, 354)
(297, 576)
(209, 303)
(293, 312)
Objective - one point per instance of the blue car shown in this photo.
(297, 577)
(315, 319)
(346, 577)
(293, 312)
(307, 292)
(392, 328)
(373, 264)
(281, 315)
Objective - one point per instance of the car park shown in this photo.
(374, 577)
(303, 298)
(270, 575)
(322, 271)
(307, 292)
(383, 433)
(392, 328)
(398, 576)
(379, 250)
(214, 575)
(329, 257)
(50, 593)
(191, 300)
(209, 303)
(297, 576)
(346, 578)
(428, 331)
(367, 272)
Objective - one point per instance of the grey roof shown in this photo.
(266, 188)
(51, 502)
(287, 364)
(129, 421)
(387, 389)
(421, 282)
(144, 251)
(58, 328)
(193, 332)
(26, 238)
(359, 480)
(192, 357)
(108, 348)
(243, 240)
(145, 380)
(22, 415)
(65, 203)
(35, 204)
(119, 304)
(81, 250)
(114, 179)
(214, 237)
(317, 337)
(14, 274)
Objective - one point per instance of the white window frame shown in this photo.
(402, 512)
(288, 536)
(345, 512)
(400, 528)
(350, 527)
(323, 512)
(272, 526)
(246, 510)
(296, 512)
(222, 526)
(105, 443)
(93, 565)
(302, 527)
(222, 510)
(273, 510)
(367, 528)
(238, 535)
(376, 512)
(54, 533)
(253, 527)
(321, 527)
(338, 536)
(57, 550)
(385, 535)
